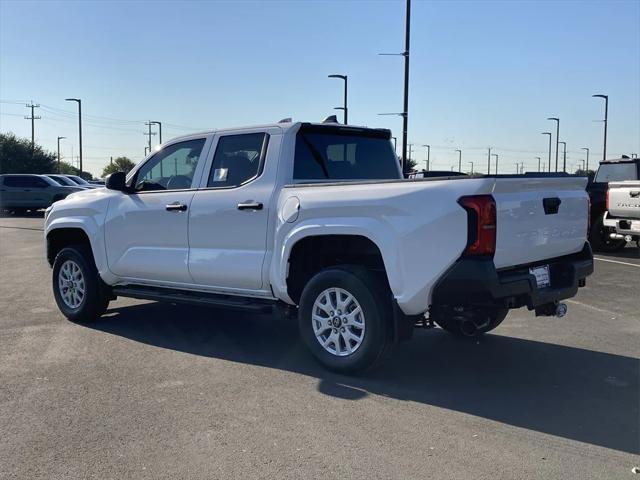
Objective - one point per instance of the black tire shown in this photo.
(96, 296)
(600, 239)
(470, 323)
(372, 293)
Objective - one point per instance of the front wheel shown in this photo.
(344, 318)
(77, 287)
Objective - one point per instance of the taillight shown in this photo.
(482, 224)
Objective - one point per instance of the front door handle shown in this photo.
(176, 207)
(250, 206)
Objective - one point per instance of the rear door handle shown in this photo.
(176, 207)
(250, 206)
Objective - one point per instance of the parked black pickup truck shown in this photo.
(616, 170)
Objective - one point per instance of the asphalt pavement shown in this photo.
(163, 391)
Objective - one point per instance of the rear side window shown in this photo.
(337, 155)
(13, 181)
(238, 159)
(24, 181)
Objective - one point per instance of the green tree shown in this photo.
(17, 156)
(120, 164)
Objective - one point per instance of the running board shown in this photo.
(170, 295)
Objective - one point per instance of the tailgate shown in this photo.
(539, 218)
(624, 199)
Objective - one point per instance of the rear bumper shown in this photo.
(622, 226)
(477, 282)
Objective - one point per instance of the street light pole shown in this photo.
(489, 162)
(59, 138)
(557, 120)
(79, 125)
(495, 155)
(428, 155)
(459, 160)
(585, 148)
(606, 119)
(344, 107)
(564, 156)
(549, 133)
(538, 158)
(471, 167)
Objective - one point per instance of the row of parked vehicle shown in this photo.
(20, 193)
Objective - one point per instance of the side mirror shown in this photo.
(116, 181)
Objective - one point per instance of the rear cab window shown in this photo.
(328, 153)
(616, 172)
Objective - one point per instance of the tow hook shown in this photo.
(554, 309)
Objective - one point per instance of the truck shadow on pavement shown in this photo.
(568, 392)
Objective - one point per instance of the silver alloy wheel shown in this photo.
(338, 322)
(71, 284)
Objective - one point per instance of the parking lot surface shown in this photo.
(163, 391)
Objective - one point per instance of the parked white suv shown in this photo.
(317, 218)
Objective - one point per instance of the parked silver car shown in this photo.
(22, 192)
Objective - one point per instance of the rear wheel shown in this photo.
(463, 322)
(79, 291)
(600, 239)
(344, 318)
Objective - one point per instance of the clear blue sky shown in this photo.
(482, 73)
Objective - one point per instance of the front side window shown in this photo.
(172, 168)
(238, 159)
(324, 153)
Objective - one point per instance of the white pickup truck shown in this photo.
(623, 210)
(317, 218)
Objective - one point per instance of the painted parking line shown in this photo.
(22, 228)
(617, 261)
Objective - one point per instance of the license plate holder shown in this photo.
(543, 279)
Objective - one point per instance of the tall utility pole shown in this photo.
(155, 122)
(495, 155)
(79, 126)
(405, 118)
(149, 123)
(606, 119)
(33, 118)
(538, 158)
(585, 148)
(344, 104)
(564, 156)
(405, 111)
(489, 162)
(428, 155)
(471, 167)
(557, 120)
(549, 133)
(59, 138)
(459, 160)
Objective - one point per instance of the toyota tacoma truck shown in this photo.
(611, 170)
(623, 211)
(317, 219)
